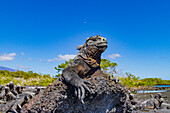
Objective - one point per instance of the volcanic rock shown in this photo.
(107, 97)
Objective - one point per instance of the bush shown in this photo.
(131, 81)
(25, 78)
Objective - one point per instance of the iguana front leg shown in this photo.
(79, 84)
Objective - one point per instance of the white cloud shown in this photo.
(22, 67)
(40, 60)
(114, 56)
(62, 57)
(29, 59)
(22, 53)
(7, 57)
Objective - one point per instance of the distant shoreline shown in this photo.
(162, 84)
(135, 89)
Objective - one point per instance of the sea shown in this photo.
(154, 91)
(161, 86)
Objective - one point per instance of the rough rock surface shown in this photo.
(5, 107)
(58, 97)
(12, 105)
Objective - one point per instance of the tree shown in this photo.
(62, 66)
(106, 65)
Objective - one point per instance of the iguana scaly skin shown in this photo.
(84, 64)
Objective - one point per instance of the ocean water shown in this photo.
(161, 86)
(151, 91)
(154, 91)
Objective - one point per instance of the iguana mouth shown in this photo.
(102, 45)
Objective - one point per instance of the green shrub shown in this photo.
(25, 78)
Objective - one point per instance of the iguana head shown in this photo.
(97, 42)
(93, 48)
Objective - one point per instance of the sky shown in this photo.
(38, 35)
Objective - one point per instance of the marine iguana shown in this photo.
(84, 64)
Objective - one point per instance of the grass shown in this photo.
(25, 78)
